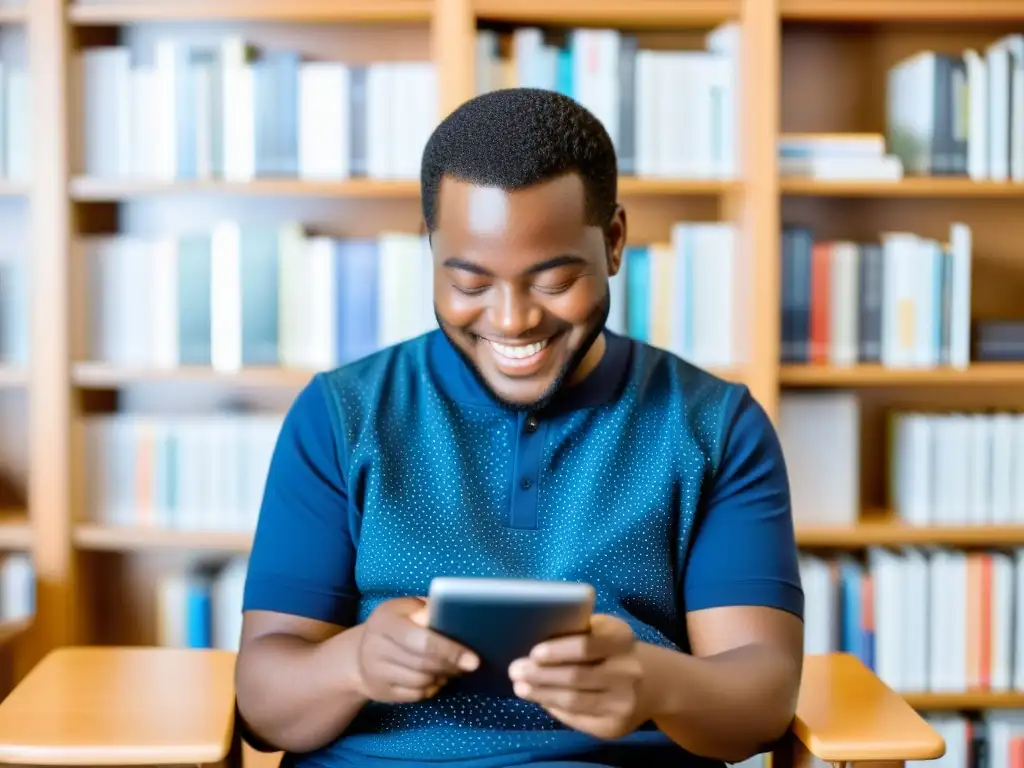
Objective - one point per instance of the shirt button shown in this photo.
(525, 483)
(531, 423)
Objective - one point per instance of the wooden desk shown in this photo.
(121, 706)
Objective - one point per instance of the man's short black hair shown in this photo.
(515, 138)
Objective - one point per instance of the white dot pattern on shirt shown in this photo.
(616, 502)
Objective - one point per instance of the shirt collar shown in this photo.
(459, 382)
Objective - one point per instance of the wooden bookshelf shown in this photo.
(900, 10)
(613, 13)
(101, 538)
(349, 11)
(102, 376)
(970, 701)
(829, 79)
(100, 190)
(977, 374)
(906, 187)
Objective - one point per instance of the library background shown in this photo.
(826, 201)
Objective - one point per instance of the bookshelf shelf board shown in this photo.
(895, 534)
(901, 10)
(971, 700)
(624, 14)
(12, 377)
(15, 530)
(102, 538)
(100, 190)
(978, 374)
(909, 187)
(11, 188)
(341, 11)
(630, 186)
(103, 376)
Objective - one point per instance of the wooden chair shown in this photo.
(152, 706)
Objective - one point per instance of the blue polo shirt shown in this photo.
(655, 481)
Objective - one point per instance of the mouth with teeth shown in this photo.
(519, 358)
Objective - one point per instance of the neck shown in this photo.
(590, 360)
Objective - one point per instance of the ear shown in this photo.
(616, 239)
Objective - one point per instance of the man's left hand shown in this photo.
(592, 683)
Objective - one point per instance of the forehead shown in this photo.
(549, 215)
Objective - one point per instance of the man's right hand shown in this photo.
(400, 660)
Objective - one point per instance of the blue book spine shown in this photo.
(638, 292)
(198, 619)
(358, 272)
(260, 297)
(185, 111)
(194, 341)
(564, 79)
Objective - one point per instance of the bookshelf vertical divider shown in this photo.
(50, 396)
(453, 35)
(758, 219)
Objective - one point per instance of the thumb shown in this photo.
(419, 616)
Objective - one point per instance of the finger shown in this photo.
(431, 662)
(398, 672)
(405, 695)
(608, 636)
(584, 677)
(570, 700)
(429, 645)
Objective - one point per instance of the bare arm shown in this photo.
(296, 680)
(737, 692)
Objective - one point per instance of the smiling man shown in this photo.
(523, 439)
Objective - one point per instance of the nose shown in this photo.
(513, 312)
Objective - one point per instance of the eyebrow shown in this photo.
(558, 261)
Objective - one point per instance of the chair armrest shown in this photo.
(122, 706)
(846, 714)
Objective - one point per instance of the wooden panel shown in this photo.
(617, 13)
(121, 12)
(49, 407)
(98, 706)
(902, 10)
(834, 77)
(846, 714)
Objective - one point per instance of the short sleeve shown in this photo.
(744, 549)
(303, 555)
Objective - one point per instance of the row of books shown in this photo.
(669, 113)
(960, 114)
(250, 296)
(254, 295)
(15, 133)
(924, 620)
(957, 468)
(204, 472)
(229, 111)
(903, 302)
(988, 739)
(201, 607)
(684, 296)
(838, 157)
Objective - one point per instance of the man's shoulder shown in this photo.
(666, 373)
(706, 401)
(380, 377)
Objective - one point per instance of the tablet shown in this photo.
(501, 620)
